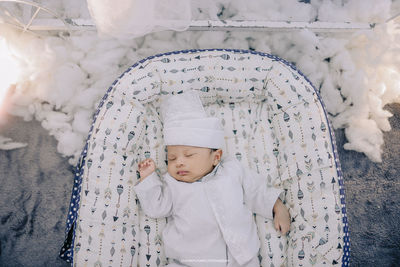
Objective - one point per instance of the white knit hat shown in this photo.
(186, 123)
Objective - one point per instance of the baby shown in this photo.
(209, 201)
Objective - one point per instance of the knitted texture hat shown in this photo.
(186, 122)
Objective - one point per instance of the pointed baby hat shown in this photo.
(186, 122)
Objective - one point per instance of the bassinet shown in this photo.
(274, 123)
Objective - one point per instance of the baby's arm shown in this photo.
(264, 200)
(281, 217)
(154, 196)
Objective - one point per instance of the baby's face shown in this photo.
(189, 163)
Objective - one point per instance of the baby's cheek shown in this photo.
(169, 169)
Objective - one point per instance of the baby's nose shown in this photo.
(179, 162)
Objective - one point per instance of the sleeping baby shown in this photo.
(209, 200)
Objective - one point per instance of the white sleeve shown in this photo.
(154, 196)
(258, 197)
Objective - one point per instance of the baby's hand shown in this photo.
(282, 217)
(146, 167)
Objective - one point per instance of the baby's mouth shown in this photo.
(181, 173)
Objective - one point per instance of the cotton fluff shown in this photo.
(126, 19)
(207, 9)
(332, 11)
(82, 121)
(390, 90)
(70, 143)
(335, 104)
(284, 10)
(87, 97)
(75, 9)
(363, 135)
(63, 87)
(63, 79)
(369, 10)
(57, 122)
(353, 11)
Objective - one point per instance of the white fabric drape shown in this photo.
(127, 19)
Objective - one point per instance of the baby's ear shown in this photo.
(217, 156)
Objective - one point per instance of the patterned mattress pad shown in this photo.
(275, 123)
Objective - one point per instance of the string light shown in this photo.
(9, 71)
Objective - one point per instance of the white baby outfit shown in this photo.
(210, 222)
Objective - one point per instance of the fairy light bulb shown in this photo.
(9, 71)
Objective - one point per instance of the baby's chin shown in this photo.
(185, 178)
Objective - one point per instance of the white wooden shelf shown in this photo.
(31, 20)
(210, 25)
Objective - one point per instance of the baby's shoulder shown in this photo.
(231, 166)
(232, 162)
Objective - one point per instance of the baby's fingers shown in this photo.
(276, 225)
(284, 229)
(142, 164)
